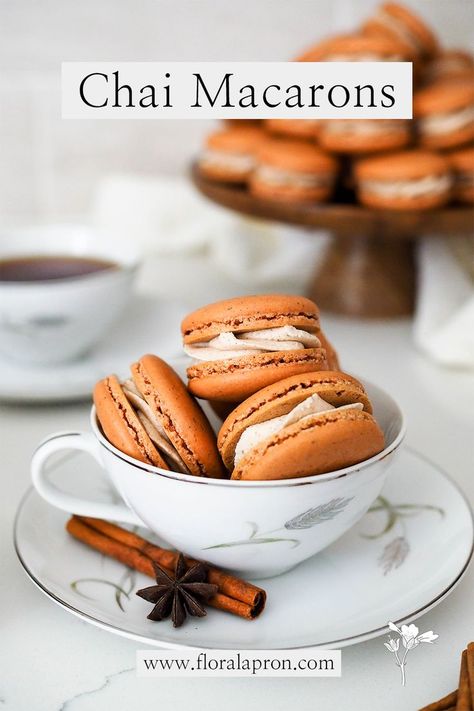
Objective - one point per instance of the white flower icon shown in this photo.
(410, 637)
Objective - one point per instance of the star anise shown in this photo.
(182, 594)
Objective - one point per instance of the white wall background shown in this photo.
(49, 168)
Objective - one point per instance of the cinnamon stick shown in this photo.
(445, 704)
(107, 546)
(227, 584)
(464, 692)
(118, 547)
(470, 669)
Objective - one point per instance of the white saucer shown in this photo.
(404, 557)
(147, 325)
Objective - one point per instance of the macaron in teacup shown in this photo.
(300, 426)
(240, 345)
(152, 417)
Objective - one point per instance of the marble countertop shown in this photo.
(52, 661)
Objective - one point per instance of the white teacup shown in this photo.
(49, 322)
(256, 529)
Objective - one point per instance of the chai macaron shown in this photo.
(293, 171)
(444, 114)
(229, 154)
(410, 180)
(152, 417)
(462, 165)
(356, 136)
(399, 23)
(240, 345)
(300, 426)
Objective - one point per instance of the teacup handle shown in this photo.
(69, 502)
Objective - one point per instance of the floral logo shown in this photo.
(410, 638)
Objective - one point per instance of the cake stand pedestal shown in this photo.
(369, 268)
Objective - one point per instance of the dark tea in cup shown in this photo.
(49, 267)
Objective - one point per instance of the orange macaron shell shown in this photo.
(294, 128)
(235, 139)
(385, 139)
(181, 416)
(250, 313)
(296, 156)
(335, 387)
(121, 425)
(316, 445)
(234, 379)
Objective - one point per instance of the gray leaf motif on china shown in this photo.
(122, 589)
(307, 519)
(396, 551)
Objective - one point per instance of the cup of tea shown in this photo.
(61, 288)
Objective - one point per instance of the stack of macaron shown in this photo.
(263, 363)
(308, 160)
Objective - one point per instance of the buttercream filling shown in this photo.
(276, 176)
(153, 426)
(367, 57)
(235, 345)
(430, 185)
(313, 405)
(362, 128)
(443, 123)
(400, 29)
(231, 161)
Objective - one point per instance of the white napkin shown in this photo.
(444, 320)
(197, 250)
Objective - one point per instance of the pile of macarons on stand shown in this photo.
(416, 164)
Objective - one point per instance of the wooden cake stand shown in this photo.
(369, 268)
